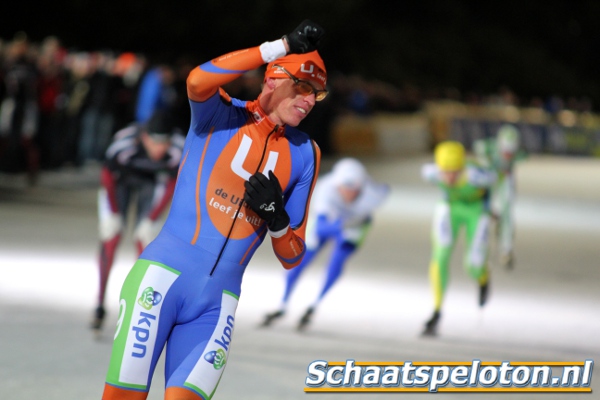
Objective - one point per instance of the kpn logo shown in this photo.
(149, 298)
(217, 358)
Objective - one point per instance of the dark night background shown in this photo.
(536, 48)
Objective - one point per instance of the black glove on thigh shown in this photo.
(264, 196)
(305, 38)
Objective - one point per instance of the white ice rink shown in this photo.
(546, 309)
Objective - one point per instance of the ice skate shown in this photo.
(431, 325)
(98, 320)
(269, 318)
(305, 320)
(483, 294)
(508, 260)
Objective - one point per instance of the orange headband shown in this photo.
(307, 67)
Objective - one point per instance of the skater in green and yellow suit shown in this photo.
(465, 187)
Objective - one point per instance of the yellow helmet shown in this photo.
(450, 156)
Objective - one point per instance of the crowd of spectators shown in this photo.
(61, 106)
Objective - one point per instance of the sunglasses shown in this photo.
(303, 87)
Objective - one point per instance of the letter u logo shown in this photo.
(237, 164)
(307, 71)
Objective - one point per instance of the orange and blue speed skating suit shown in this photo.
(184, 289)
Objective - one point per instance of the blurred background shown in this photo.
(402, 77)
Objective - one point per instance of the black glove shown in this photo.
(264, 196)
(305, 38)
